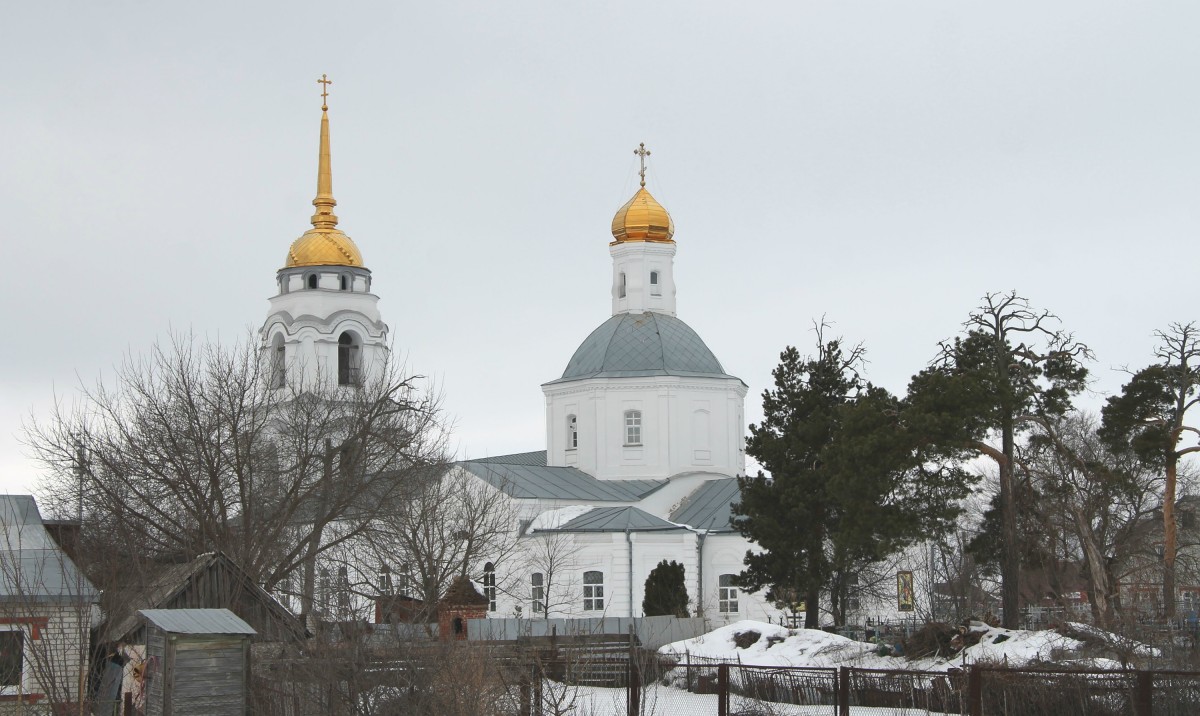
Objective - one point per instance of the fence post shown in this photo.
(526, 707)
(723, 690)
(843, 691)
(633, 687)
(975, 691)
(1143, 694)
(687, 668)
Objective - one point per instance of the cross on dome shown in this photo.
(325, 92)
(642, 153)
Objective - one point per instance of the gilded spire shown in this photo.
(324, 218)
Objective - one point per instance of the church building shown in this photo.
(645, 431)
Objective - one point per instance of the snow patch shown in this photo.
(554, 519)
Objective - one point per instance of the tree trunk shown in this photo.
(812, 609)
(1169, 539)
(1010, 556)
(1099, 578)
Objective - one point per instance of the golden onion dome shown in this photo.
(642, 219)
(324, 244)
(323, 247)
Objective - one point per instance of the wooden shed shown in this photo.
(197, 662)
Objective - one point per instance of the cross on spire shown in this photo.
(324, 91)
(642, 153)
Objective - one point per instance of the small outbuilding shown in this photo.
(197, 662)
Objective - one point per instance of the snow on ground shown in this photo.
(661, 700)
(780, 646)
(553, 519)
(1115, 640)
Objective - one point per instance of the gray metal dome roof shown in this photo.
(642, 344)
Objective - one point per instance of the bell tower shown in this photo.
(323, 326)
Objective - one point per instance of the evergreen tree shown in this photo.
(849, 484)
(1147, 419)
(787, 514)
(1011, 370)
(666, 592)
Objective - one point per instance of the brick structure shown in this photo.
(461, 603)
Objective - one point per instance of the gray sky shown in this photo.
(881, 163)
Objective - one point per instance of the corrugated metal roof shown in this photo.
(536, 458)
(616, 519)
(558, 483)
(709, 506)
(642, 344)
(197, 621)
(32, 567)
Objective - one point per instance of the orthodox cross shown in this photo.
(642, 153)
(324, 91)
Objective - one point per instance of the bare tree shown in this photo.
(195, 448)
(553, 555)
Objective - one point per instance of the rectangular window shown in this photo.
(727, 595)
(655, 286)
(593, 591)
(538, 592)
(621, 287)
(633, 427)
(572, 432)
(12, 645)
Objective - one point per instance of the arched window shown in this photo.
(727, 594)
(655, 286)
(633, 427)
(593, 591)
(343, 282)
(311, 280)
(621, 286)
(537, 592)
(572, 432)
(347, 360)
(489, 585)
(278, 362)
(343, 592)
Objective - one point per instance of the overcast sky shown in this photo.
(880, 163)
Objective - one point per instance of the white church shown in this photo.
(645, 431)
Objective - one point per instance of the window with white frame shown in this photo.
(385, 579)
(655, 286)
(727, 594)
(572, 432)
(489, 585)
(593, 591)
(537, 592)
(633, 427)
(12, 659)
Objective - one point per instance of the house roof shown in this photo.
(709, 507)
(176, 584)
(642, 344)
(537, 458)
(531, 481)
(616, 519)
(32, 567)
(197, 621)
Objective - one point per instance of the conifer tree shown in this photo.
(666, 592)
(1012, 369)
(1147, 419)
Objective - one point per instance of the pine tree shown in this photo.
(666, 592)
(1148, 419)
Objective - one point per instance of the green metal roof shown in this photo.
(617, 519)
(532, 481)
(642, 344)
(709, 507)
